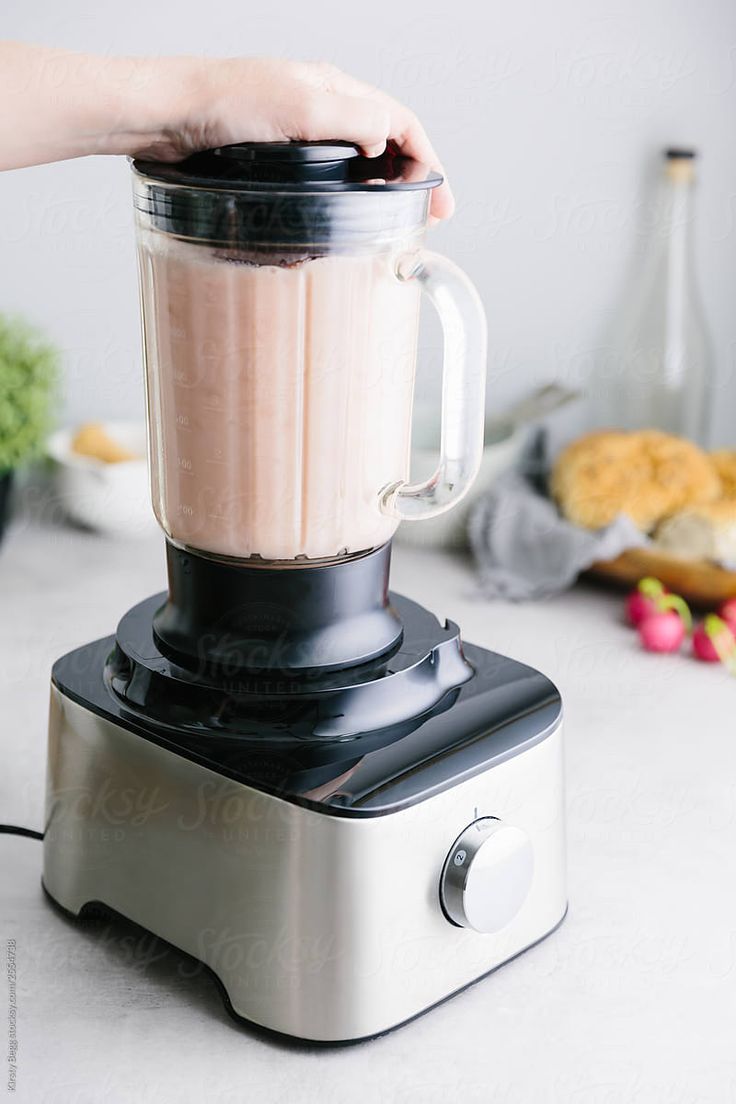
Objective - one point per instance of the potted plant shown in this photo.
(28, 373)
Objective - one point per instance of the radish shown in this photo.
(714, 642)
(665, 628)
(727, 613)
(643, 601)
(662, 631)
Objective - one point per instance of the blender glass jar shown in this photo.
(280, 289)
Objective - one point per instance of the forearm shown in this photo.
(56, 105)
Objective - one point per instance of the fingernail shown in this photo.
(375, 150)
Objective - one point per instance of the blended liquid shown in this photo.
(279, 399)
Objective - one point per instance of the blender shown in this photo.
(305, 781)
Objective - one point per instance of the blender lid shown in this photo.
(331, 166)
(289, 151)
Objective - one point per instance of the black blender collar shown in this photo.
(304, 166)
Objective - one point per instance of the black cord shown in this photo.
(14, 830)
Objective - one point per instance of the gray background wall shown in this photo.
(548, 116)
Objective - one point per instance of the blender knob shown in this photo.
(487, 875)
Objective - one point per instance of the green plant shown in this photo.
(28, 375)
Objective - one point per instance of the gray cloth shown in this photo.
(524, 548)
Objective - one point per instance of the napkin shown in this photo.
(524, 548)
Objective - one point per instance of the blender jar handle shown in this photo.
(463, 322)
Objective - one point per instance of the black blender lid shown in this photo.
(331, 166)
(288, 151)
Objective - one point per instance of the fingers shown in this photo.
(325, 115)
(315, 101)
(411, 138)
(404, 129)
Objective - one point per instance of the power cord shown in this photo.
(15, 830)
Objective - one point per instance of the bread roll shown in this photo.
(724, 461)
(647, 475)
(706, 532)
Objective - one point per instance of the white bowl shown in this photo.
(502, 451)
(111, 498)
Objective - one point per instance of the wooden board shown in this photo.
(698, 581)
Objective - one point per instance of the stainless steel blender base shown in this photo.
(326, 928)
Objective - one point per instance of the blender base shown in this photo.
(315, 898)
(96, 911)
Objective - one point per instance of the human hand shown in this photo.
(55, 104)
(222, 101)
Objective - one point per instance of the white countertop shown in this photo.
(632, 999)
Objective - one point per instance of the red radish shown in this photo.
(703, 646)
(665, 629)
(727, 613)
(643, 601)
(714, 641)
(662, 631)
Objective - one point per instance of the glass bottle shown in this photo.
(660, 374)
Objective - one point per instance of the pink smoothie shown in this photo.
(279, 398)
